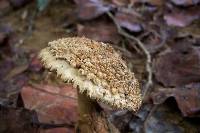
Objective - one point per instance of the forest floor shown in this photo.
(159, 40)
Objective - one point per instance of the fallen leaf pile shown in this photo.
(164, 35)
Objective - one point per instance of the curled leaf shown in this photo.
(90, 9)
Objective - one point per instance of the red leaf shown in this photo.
(52, 104)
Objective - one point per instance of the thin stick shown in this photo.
(153, 109)
(141, 45)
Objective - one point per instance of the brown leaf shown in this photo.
(2, 37)
(164, 119)
(192, 31)
(15, 120)
(19, 3)
(57, 130)
(179, 66)
(187, 98)
(99, 31)
(52, 104)
(182, 18)
(8, 41)
(129, 21)
(185, 2)
(35, 64)
(90, 9)
(5, 31)
(6, 65)
(4, 7)
(121, 2)
(152, 2)
(15, 71)
(156, 2)
(10, 89)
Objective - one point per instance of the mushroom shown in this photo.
(97, 71)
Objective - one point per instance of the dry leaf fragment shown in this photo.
(106, 32)
(187, 98)
(178, 67)
(185, 2)
(182, 18)
(129, 21)
(90, 9)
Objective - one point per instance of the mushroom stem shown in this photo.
(87, 105)
(91, 117)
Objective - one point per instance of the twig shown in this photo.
(124, 51)
(31, 22)
(141, 45)
(153, 109)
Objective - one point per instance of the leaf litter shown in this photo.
(166, 31)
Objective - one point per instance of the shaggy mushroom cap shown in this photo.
(94, 68)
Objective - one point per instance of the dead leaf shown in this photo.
(187, 98)
(15, 71)
(156, 2)
(5, 31)
(167, 119)
(182, 18)
(57, 130)
(155, 40)
(10, 89)
(179, 66)
(2, 38)
(19, 3)
(5, 66)
(121, 119)
(185, 2)
(106, 32)
(35, 64)
(192, 30)
(121, 2)
(90, 9)
(152, 2)
(52, 104)
(4, 7)
(15, 120)
(129, 21)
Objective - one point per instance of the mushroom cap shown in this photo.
(94, 68)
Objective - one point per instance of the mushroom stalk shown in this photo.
(91, 117)
(87, 105)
